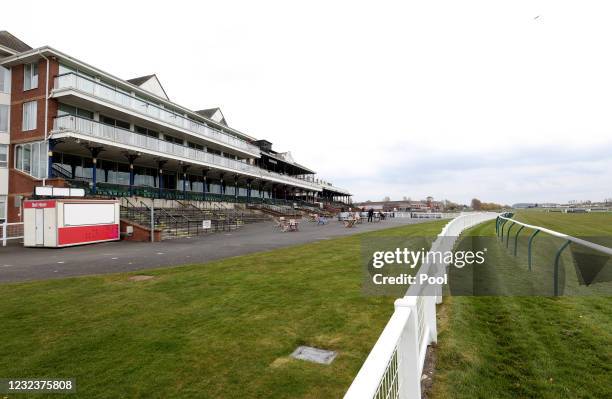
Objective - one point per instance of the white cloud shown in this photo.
(375, 96)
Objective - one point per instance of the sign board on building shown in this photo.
(60, 192)
(206, 224)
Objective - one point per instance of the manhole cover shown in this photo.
(316, 355)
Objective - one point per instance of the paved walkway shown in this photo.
(23, 264)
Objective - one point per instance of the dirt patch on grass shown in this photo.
(141, 277)
(279, 362)
(429, 366)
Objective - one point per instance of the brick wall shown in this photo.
(19, 96)
(22, 184)
(141, 233)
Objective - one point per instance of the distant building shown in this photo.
(427, 205)
(524, 205)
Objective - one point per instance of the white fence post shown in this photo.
(408, 352)
(430, 317)
(4, 234)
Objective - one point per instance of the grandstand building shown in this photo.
(64, 123)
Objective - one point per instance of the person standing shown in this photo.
(370, 214)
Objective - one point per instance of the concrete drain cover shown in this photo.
(316, 355)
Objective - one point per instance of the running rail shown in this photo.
(588, 244)
(499, 229)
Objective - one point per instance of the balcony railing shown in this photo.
(124, 99)
(331, 187)
(88, 127)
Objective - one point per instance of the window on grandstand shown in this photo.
(4, 115)
(30, 76)
(114, 122)
(63, 69)
(31, 158)
(29, 116)
(174, 140)
(70, 110)
(5, 80)
(2, 207)
(147, 132)
(196, 146)
(3, 155)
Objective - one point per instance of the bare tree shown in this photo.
(476, 204)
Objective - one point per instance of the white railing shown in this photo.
(537, 229)
(87, 127)
(11, 231)
(427, 215)
(126, 100)
(394, 366)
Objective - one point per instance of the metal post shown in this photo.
(508, 234)
(235, 188)
(160, 174)
(204, 183)
(94, 174)
(516, 240)
(160, 182)
(501, 229)
(50, 158)
(131, 178)
(152, 221)
(531, 237)
(556, 274)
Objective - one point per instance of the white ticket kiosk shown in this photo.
(66, 222)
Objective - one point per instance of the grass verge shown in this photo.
(220, 330)
(528, 347)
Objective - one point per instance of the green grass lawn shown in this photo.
(220, 330)
(528, 346)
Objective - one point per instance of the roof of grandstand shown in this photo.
(10, 41)
(210, 114)
(157, 87)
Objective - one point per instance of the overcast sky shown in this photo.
(506, 101)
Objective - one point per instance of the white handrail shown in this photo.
(592, 245)
(4, 232)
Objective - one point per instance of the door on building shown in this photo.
(39, 229)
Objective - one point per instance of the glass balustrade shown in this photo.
(124, 99)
